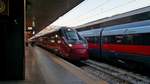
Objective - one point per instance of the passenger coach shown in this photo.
(124, 38)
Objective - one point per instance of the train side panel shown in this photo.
(93, 37)
(127, 43)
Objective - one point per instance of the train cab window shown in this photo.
(71, 36)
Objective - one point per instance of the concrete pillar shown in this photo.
(12, 41)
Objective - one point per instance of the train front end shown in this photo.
(77, 45)
(78, 52)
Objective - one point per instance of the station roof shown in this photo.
(126, 14)
(44, 12)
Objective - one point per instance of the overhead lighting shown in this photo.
(30, 28)
(33, 32)
(56, 35)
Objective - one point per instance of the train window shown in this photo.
(115, 39)
(138, 39)
(129, 39)
(59, 41)
(134, 39)
(119, 39)
(104, 40)
(146, 39)
(52, 37)
(52, 41)
(94, 39)
(40, 39)
(141, 39)
(97, 39)
(111, 39)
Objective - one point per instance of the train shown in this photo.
(124, 38)
(64, 41)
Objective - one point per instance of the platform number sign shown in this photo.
(4, 7)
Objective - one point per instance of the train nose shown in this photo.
(79, 54)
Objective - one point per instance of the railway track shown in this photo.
(113, 75)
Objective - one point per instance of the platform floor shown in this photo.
(43, 67)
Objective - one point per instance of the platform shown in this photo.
(43, 67)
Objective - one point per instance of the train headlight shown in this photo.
(85, 45)
(70, 45)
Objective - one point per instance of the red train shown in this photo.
(66, 42)
(124, 38)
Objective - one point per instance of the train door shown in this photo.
(93, 39)
(112, 41)
(100, 42)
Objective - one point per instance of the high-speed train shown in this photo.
(123, 42)
(65, 42)
(124, 38)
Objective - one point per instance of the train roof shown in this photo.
(130, 13)
(46, 31)
(49, 30)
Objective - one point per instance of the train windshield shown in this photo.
(73, 37)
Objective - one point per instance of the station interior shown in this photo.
(24, 63)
